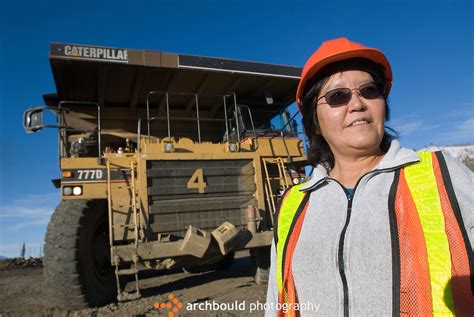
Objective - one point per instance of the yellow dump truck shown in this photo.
(166, 160)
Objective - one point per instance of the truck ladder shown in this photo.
(283, 180)
(135, 206)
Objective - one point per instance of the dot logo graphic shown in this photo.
(172, 306)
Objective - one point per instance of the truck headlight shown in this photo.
(77, 190)
(233, 147)
(168, 147)
(67, 191)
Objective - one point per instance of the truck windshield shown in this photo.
(267, 123)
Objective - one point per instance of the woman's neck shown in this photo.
(348, 170)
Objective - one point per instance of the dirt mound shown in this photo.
(19, 263)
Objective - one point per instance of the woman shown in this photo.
(379, 229)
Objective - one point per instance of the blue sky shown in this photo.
(429, 44)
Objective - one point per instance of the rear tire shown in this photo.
(260, 258)
(77, 268)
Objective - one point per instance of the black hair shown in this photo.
(319, 151)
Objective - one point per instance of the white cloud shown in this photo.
(30, 207)
(454, 127)
(405, 128)
(461, 132)
(24, 221)
(411, 124)
(32, 199)
(25, 224)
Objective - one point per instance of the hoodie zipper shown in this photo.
(340, 253)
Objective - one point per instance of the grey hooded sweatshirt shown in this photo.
(366, 252)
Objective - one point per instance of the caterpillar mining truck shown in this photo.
(166, 161)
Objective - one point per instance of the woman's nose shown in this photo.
(357, 101)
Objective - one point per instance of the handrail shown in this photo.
(167, 116)
(236, 117)
(109, 203)
(226, 121)
(269, 191)
(139, 134)
(198, 119)
(281, 171)
(251, 122)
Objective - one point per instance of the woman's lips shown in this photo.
(358, 122)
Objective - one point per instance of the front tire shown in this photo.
(77, 268)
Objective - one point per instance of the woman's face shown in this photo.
(356, 127)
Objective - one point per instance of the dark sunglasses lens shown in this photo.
(338, 96)
(370, 91)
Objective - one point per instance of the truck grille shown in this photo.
(230, 189)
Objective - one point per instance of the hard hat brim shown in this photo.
(369, 53)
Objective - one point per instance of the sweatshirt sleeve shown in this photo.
(463, 185)
(272, 290)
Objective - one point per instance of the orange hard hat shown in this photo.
(338, 50)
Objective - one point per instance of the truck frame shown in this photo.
(166, 160)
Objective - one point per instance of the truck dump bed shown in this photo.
(117, 77)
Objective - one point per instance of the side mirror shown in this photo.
(33, 120)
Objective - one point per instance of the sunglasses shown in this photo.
(342, 96)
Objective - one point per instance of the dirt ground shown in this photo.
(229, 292)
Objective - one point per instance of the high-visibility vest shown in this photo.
(432, 258)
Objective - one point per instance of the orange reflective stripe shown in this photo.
(415, 293)
(460, 282)
(288, 296)
(291, 296)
